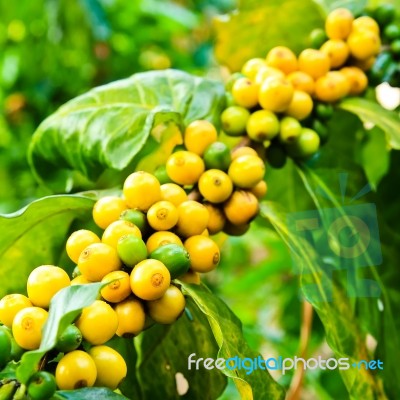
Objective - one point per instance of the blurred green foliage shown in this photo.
(54, 50)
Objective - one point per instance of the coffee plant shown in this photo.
(106, 292)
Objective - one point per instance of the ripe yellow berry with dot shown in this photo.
(162, 215)
(98, 260)
(282, 58)
(204, 253)
(245, 93)
(27, 327)
(131, 317)
(150, 279)
(241, 207)
(246, 171)
(364, 44)
(118, 287)
(215, 186)
(332, 87)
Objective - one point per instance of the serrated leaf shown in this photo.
(227, 331)
(369, 111)
(65, 307)
(113, 126)
(257, 26)
(36, 235)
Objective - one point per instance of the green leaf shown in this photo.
(113, 126)
(163, 352)
(342, 329)
(258, 25)
(369, 111)
(376, 316)
(374, 157)
(228, 334)
(65, 307)
(36, 235)
(88, 394)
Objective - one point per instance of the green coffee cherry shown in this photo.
(317, 38)
(137, 218)
(392, 32)
(131, 250)
(161, 174)
(70, 339)
(305, 145)
(217, 156)
(234, 120)
(290, 129)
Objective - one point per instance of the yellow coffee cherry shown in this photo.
(252, 66)
(117, 229)
(246, 171)
(332, 87)
(108, 209)
(98, 322)
(241, 207)
(215, 186)
(75, 370)
(10, 305)
(131, 317)
(98, 260)
(243, 151)
(44, 282)
(262, 125)
(162, 215)
(302, 81)
(27, 327)
(216, 220)
(193, 218)
(245, 93)
(185, 167)
(150, 279)
(173, 193)
(364, 44)
(314, 63)
(338, 24)
(282, 58)
(301, 105)
(118, 288)
(199, 135)
(259, 190)
(275, 94)
(204, 253)
(357, 79)
(78, 241)
(168, 308)
(267, 72)
(161, 238)
(365, 23)
(110, 365)
(337, 50)
(141, 190)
